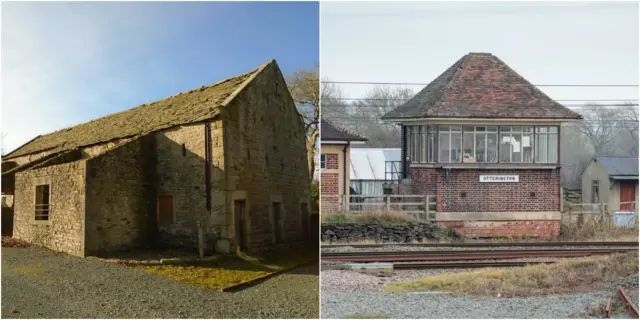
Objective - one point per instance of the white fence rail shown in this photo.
(422, 206)
(578, 213)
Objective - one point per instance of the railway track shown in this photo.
(455, 265)
(492, 244)
(460, 255)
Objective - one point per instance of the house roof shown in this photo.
(480, 85)
(187, 107)
(330, 132)
(619, 167)
(370, 163)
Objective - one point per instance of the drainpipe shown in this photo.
(207, 187)
(344, 175)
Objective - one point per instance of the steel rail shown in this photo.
(455, 252)
(490, 244)
(466, 255)
(626, 301)
(464, 265)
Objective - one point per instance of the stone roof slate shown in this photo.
(183, 108)
(480, 85)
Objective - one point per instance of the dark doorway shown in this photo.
(304, 217)
(240, 217)
(277, 217)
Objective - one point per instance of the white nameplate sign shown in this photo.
(499, 178)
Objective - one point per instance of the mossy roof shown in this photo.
(187, 107)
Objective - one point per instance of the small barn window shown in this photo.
(323, 161)
(43, 198)
(165, 210)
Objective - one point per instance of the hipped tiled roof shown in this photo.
(480, 85)
(187, 107)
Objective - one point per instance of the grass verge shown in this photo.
(568, 276)
(379, 217)
(231, 270)
(592, 230)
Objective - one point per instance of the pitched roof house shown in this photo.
(228, 159)
(335, 148)
(612, 180)
(485, 142)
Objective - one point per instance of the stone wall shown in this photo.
(463, 192)
(266, 160)
(350, 232)
(118, 200)
(181, 174)
(64, 229)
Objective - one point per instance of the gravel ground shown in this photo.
(39, 283)
(336, 304)
(403, 248)
(348, 293)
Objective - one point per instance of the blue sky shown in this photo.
(546, 42)
(67, 63)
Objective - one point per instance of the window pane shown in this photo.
(415, 146)
(456, 128)
(553, 129)
(492, 129)
(468, 154)
(492, 147)
(541, 129)
(467, 128)
(505, 129)
(553, 148)
(443, 147)
(505, 147)
(423, 144)
(516, 129)
(481, 139)
(456, 147)
(431, 147)
(516, 147)
(527, 148)
(445, 128)
(527, 129)
(407, 140)
(481, 129)
(541, 148)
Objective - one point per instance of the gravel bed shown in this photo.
(39, 283)
(336, 304)
(351, 281)
(411, 248)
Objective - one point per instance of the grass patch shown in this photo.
(231, 270)
(568, 276)
(379, 217)
(592, 230)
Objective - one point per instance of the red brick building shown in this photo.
(335, 146)
(485, 141)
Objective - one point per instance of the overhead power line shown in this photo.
(426, 83)
(405, 99)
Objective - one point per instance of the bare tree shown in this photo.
(363, 116)
(304, 85)
(3, 137)
(599, 127)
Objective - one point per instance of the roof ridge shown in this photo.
(343, 130)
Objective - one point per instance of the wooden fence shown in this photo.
(422, 206)
(578, 213)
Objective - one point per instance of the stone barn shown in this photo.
(486, 143)
(222, 167)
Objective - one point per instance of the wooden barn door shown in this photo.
(627, 194)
